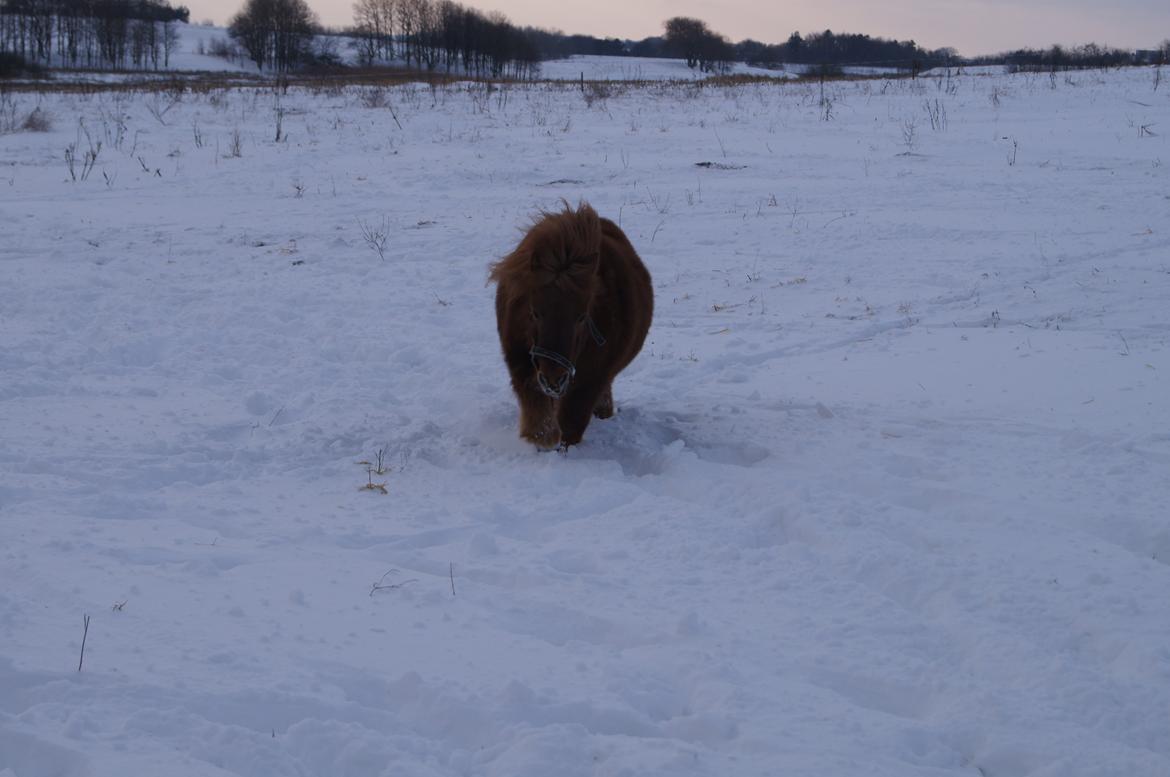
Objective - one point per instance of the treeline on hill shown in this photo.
(90, 33)
(692, 40)
(1088, 56)
(429, 34)
(829, 48)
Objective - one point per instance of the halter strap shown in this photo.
(537, 352)
(593, 330)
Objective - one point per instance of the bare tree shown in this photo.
(374, 24)
(170, 42)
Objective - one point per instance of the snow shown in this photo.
(886, 495)
(196, 37)
(601, 68)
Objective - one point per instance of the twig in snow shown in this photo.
(157, 171)
(393, 113)
(375, 237)
(720, 140)
(371, 485)
(844, 215)
(451, 571)
(381, 585)
(378, 466)
(84, 634)
(158, 110)
(1125, 343)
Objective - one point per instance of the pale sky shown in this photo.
(971, 26)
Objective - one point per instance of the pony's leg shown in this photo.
(575, 411)
(538, 419)
(603, 407)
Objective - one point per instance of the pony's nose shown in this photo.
(555, 387)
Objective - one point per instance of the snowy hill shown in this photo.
(194, 39)
(886, 494)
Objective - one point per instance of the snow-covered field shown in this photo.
(637, 69)
(887, 494)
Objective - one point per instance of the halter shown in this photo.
(562, 361)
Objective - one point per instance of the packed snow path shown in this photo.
(887, 494)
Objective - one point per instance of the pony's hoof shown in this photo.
(544, 433)
(545, 440)
(570, 440)
(603, 408)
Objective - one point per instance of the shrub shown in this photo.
(37, 121)
(13, 65)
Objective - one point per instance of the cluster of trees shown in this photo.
(443, 33)
(692, 40)
(829, 48)
(277, 34)
(91, 33)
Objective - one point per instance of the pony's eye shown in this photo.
(581, 319)
(535, 315)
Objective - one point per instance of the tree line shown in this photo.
(701, 47)
(91, 33)
(829, 48)
(692, 40)
(444, 34)
(1087, 56)
(425, 34)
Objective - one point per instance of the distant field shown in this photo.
(885, 496)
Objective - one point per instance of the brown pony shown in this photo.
(573, 305)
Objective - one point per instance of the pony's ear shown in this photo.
(507, 267)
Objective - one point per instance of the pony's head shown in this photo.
(551, 279)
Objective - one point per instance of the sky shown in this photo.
(971, 26)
